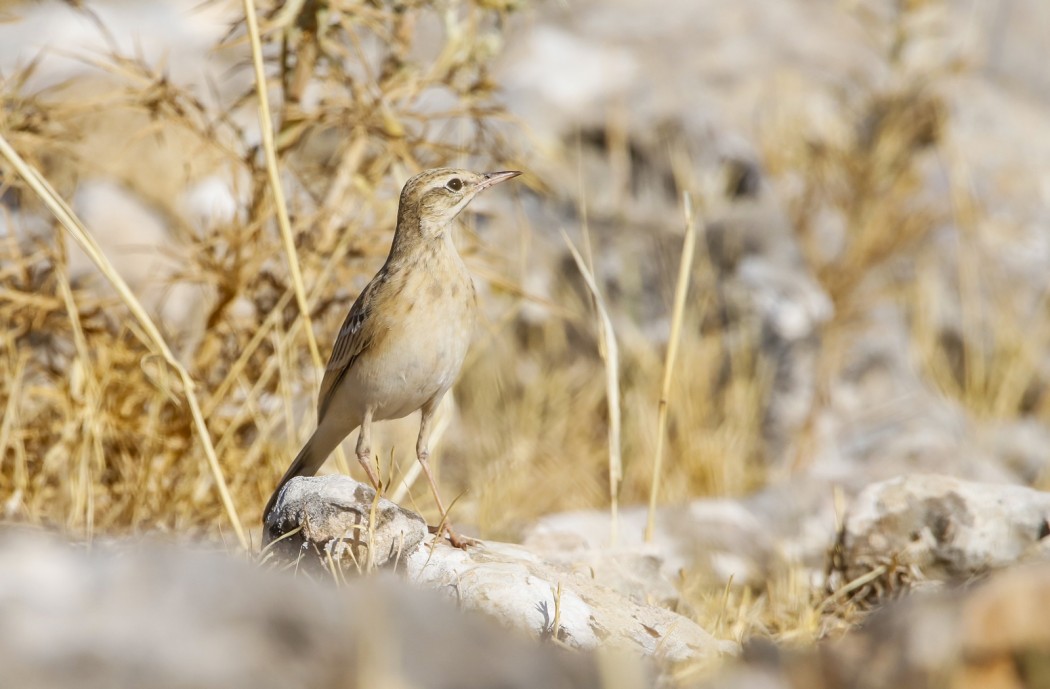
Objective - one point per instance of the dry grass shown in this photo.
(120, 418)
(96, 436)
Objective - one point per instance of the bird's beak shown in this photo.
(493, 178)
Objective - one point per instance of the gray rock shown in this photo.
(990, 636)
(146, 614)
(336, 517)
(634, 570)
(881, 419)
(929, 527)
(716, 540)
(911, 530)
(525, 592)
(517, 587)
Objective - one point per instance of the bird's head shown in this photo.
(433, 198)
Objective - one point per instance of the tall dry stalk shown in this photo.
(280, 206)
(80, 234)
(611, 357)
(685, 270)
(274, 175)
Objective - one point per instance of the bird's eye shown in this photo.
(455, 184)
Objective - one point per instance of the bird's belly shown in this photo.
(419, 361)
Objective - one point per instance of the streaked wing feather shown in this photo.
(353, 338)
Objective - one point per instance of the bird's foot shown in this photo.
(457, 540)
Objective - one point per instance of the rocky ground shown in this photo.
(959, 572)
(872, 184)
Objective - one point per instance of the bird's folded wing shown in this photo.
(354, 337)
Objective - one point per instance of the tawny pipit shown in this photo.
(404, 340)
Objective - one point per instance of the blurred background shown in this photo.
(868, 298)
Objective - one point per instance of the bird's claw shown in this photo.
(457, 540)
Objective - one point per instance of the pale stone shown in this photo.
(928, 526)
(145, 614)
(340, 517)
(517, 587)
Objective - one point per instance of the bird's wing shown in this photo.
(355, 336)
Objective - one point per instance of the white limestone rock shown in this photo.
(520, 589)
(336, 517)
(517, 587)
(148, 614)
(935, 527)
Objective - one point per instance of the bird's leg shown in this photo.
(423, 453)
(364, 449)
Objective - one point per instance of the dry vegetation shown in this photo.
(96, 437)
(120, 421)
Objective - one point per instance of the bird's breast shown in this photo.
(429, 321)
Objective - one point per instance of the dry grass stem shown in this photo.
(280, 206)
(685, 270)
(611, 357)
(76, 229)
(556, 624)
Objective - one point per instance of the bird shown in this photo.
(403, 342)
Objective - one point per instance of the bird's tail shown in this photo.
(306, 463)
